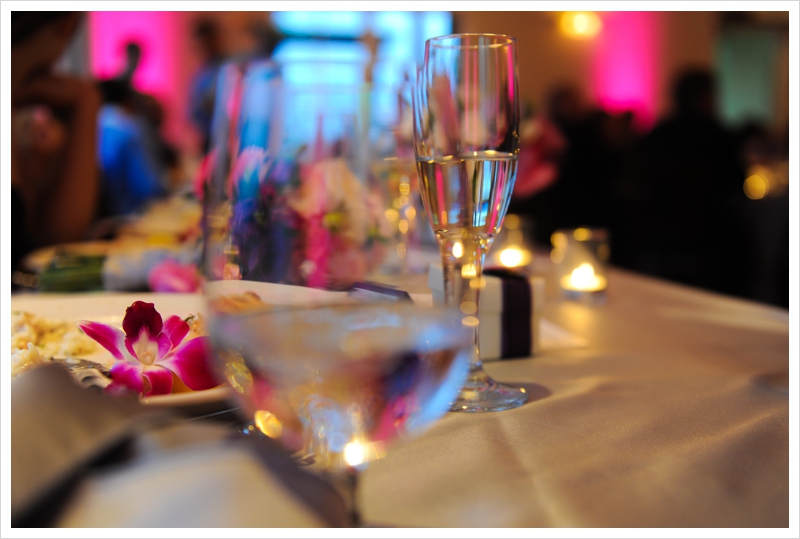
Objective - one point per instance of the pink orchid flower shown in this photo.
(151, 350)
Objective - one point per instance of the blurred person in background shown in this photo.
(52, 202)
(541, 147)
(133, 172)
(689, 228)
(204, 85)
(149, 109)
(580, 193)
(266, 37)
(133, 55)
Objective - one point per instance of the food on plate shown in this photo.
(23, 359)
(35, 340)
(235, 303)
(151, 355)
(197, 325)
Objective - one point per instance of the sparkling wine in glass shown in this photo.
(337, 383)
(466, 141)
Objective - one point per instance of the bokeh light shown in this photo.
(756, 186)
(581, 24)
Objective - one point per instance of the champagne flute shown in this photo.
(466, 141)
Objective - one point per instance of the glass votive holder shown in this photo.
(511, 248)
(581, 257)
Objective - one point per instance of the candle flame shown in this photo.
(358, 452)
(583, 278)
(354, 453)
(513, 257)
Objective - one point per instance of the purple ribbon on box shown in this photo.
(515, 318)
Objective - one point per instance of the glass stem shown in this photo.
(350, 486)
(462, 284)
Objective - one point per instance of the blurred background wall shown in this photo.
(619, 68)
(664, 43)
(629, 64)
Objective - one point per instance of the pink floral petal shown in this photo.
(172, 276)
(148, 350)
(141, 316)
(128, 374)
(160, 380)
(176, 329)
(190, 363)
(108, 337)
(164, 345)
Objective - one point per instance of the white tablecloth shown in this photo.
(675, 414)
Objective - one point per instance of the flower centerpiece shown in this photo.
(306, 221)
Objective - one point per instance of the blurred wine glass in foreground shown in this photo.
(466, 140)
(288, 224)
(336, 384)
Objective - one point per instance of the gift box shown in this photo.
(510, 312)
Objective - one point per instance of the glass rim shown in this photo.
(500, 40)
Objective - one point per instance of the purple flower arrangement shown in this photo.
(311, 223)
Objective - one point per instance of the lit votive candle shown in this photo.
(511, 249)
(579, 257)
(583, 279)
(514, 257)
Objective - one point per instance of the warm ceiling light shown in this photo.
(580, 24)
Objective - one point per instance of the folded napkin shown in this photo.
(193, 476)
(57, 430)
(80, 458)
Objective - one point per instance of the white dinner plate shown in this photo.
(110, 309)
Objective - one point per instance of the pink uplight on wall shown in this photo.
(166, 62)
(624, 66)
(154, 31)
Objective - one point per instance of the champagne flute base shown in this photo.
(482, 394)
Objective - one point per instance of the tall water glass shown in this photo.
(466, 141)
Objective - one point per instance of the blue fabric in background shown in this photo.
(130, 172)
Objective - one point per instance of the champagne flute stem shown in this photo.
(349, 484)
(463, 279)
